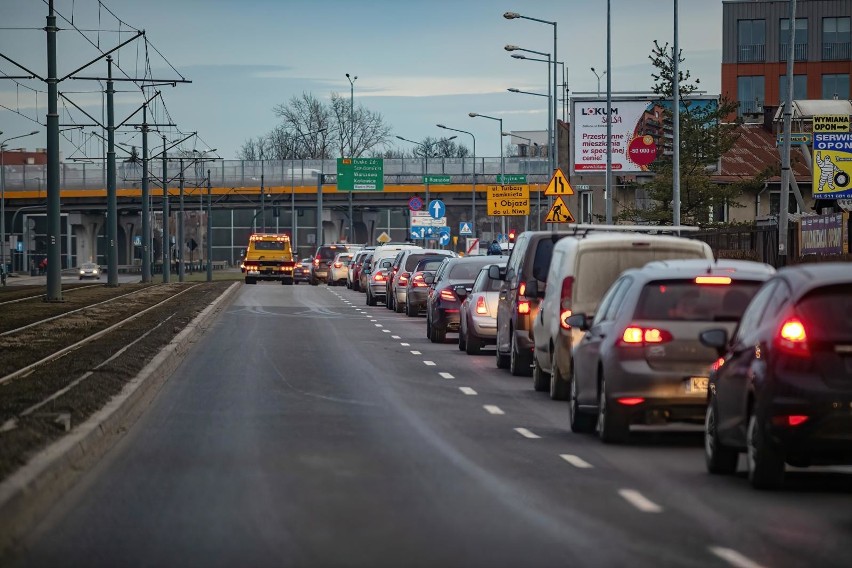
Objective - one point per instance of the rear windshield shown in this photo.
(328, 253)
(597, 269)
(429, 264)
(269, 245)
(413, 259)
(827, 313)
(464, 271)
(684, 300)
(345, 260)
(541, 262)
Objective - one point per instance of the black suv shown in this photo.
(323, 258)
(528, 263)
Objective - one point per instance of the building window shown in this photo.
(835, 87)
(800, 87)
(751, 40)
(750, 94)
(586, 207)
(719, 212)
(775, 203)
(800, 48)
(835, 39)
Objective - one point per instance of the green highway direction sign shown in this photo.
(512, 179)
(436, 180)
(360, 174)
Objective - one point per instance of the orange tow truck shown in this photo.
(268, 257)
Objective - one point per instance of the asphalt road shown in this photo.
(307, 429)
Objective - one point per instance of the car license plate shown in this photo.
(697, 384)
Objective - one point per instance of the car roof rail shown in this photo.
(583, 229)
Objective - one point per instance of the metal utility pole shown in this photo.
(112, 203)
(146, 209)
(54, 231)
(351, 148)
(180, 238)
(609, 196)
(209, 230)
(319, 207)
(262, 196)
(783, 217)
(167, 265)
(676, 123)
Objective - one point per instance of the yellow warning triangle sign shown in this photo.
(559, 185)
(559, 213)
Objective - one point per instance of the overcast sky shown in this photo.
(418, 62)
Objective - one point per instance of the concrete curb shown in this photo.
(26, 495)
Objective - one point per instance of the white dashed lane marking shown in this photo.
(395, 337)
(468, 391)
(640, 501)
(429, 363)
(527, 434)
(416, 353)
(378, 325)
(491, 409)
(576, 461)
(734, 558)
(405, 344)
(385, 331)
(446, 376)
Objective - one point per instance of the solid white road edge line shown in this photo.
(576, 461)
(734, 558)
(639, 501)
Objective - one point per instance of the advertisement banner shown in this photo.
(826, 234)
(832, 166)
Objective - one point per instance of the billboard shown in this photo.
(639, 127)
(832, 166)
(825, 234)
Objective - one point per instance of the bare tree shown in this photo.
(357, 131)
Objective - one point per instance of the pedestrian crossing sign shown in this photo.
(465, 228)
(559, 213)
(558, 185)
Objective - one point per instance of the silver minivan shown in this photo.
(583, 267)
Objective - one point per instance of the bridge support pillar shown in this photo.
(86, 228)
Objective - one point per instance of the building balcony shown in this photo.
(836, 51)
(800, 52)
(751, 53)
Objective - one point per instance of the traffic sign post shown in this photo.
(444, 236)
(360, 174)
(559, 212)
(558, 185)
(437, 209)
(415, 203)
(465, 228)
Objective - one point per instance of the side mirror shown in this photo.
(716, 338)
(579, 321)
(494, 273)
(460, 291)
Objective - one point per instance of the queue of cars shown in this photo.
(636, 328)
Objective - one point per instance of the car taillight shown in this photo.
(639, 336)
(563, 319)
(522, 289)
(481, 307)
(717, 364)
(418, 282)
(567, 290)
(792, 337)
(316, 262)
(379, 277)
(448, 295)
(403, 278)
(338, 264)
(523, 307)
(630, 400)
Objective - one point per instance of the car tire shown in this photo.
(462, 340)
(473, 344)
(541, 380)
(765, 462)
(428, 327)
(314, 282)
(287, 282)
(501, 359)
(718, 458)
(558, 387)
(251, 280)
(397, 307)
(519, 365)
(371, 300)
(580, 422)
(410, 310)
(613, 426)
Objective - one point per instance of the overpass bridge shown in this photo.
(292, 201)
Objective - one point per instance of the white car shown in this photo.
(339, 269)
(90, 270)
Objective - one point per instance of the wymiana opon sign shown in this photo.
(831, 123)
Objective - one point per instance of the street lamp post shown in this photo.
(599, 79)
(515, 15)
(538, 203)
(351, 148)
(564, 79)
(3, 196)
(502, 167)
(551, 111)
(473, 200)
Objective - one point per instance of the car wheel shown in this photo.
(558, 387)
(397, 307)
(474, 344)
(410, 310)
(314, 282)
(580, 422)
(251, 281)
(428, 327)
(502, 360)
(519, 365)
(718, 458)
(613, 427)
(462, 340)
(287, 282)
(765, 462)
(541, 380)
(371, 301)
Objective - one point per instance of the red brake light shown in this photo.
(718, 280)
(338, 264)
(631, 400)
(635, 335)
(718, 364)
(403, 278)
(448, 295)
(481, 307)
(316, 262)
(567, 291)
(522, 289)
(792, 337)
(795, 420)
(563, 319)
(379, 277)
(523, 307)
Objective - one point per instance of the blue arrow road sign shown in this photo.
(437, 209)
(444, 235)
(465, 228)
(418, 232)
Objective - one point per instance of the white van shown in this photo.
(581, 270)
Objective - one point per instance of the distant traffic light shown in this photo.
(512, 236)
